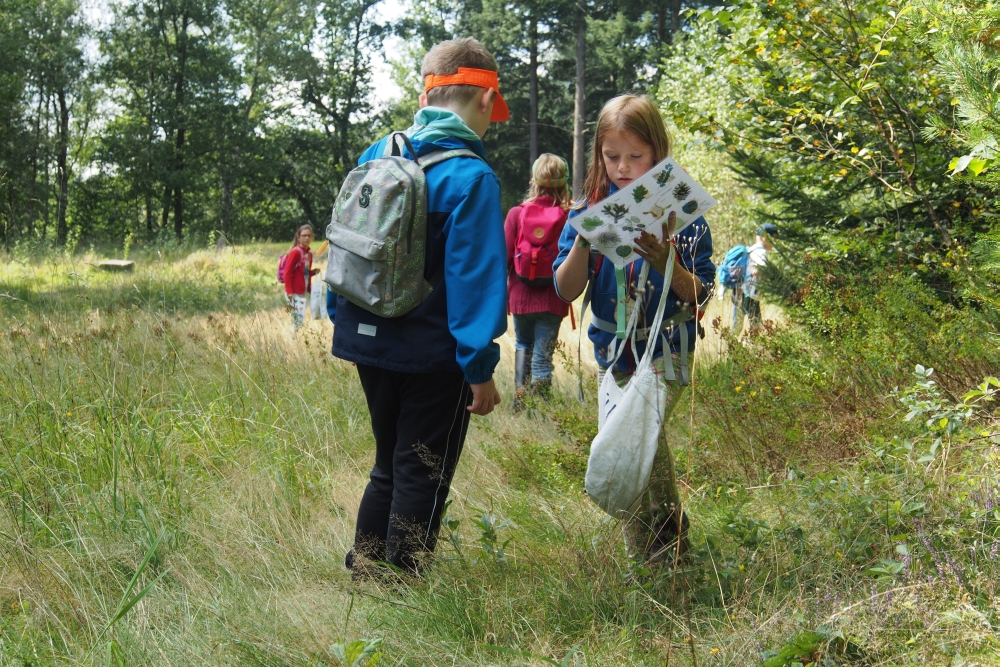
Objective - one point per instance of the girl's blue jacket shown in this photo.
(455, 328)
(694, 248)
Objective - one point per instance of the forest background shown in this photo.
(187, 116)
(176, 474)
(181, 119)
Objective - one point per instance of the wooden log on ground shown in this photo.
(116, 265)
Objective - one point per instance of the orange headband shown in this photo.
(483, 78)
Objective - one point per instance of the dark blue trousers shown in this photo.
(420, 422)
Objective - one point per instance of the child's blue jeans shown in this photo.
(537, 333)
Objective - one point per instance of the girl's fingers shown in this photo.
(649, 245)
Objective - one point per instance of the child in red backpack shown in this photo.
(298, 274)
(532, 230)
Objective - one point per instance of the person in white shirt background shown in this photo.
(757, 258)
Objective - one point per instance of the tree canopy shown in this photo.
(862, 127)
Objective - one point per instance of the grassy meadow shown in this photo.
(179, 476)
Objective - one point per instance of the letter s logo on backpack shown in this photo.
(365, 198)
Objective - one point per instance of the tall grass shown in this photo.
(164, 440)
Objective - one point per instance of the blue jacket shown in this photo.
(694, 248)
(331, 305)
(455, 328)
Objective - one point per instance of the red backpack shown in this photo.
(537, 243)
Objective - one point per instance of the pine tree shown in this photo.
(973, 74)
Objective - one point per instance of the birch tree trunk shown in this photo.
(62, 158)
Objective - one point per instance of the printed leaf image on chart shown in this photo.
(644, 205)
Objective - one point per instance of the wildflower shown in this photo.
(688, 639)
(955, 204)
(738, 387)
(854, 149)
(714, 651)
(743, 568)
(752, 394)
(69, 414)
(80, 381)
(777, 387)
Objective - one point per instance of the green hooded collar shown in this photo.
(434, 123)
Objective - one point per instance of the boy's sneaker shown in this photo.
(363, 569)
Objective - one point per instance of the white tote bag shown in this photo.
(317, 299)
(629, 420)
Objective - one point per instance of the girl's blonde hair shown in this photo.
(550, 177)
(626, 113)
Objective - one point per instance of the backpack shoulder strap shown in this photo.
(579, 342)
(398, 141)
(437, 157)
(587, 296)
(394, 146)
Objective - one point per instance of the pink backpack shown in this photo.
(537, 243)
(281, 267)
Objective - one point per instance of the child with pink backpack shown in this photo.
(532, 231)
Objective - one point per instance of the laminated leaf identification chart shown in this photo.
(612, 223)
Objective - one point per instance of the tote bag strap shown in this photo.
(647, 358)
(618, 348)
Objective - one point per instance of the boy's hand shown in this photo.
(654, 252)
(485, 397)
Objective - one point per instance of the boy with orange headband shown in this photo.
(426, 372)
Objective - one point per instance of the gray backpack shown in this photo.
(378, 235)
